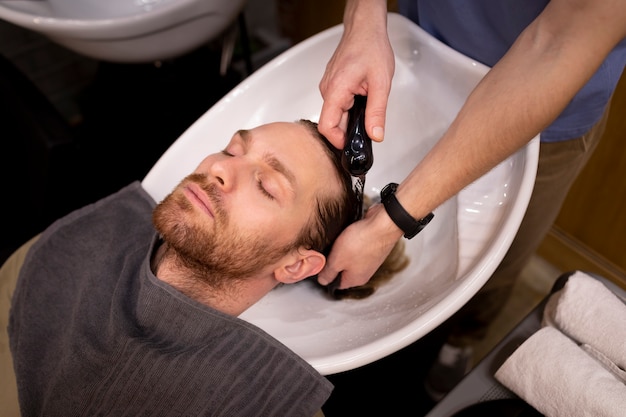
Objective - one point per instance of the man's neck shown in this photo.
(232, 297)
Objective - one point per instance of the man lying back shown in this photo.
(127, 307)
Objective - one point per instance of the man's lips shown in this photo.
(199, 198)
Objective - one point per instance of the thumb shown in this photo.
(327, 275)
(375, 112)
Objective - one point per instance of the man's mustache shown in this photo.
(211, 191)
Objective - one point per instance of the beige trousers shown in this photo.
(9, 406)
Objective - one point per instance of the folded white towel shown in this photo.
(553, 374)
(589, 313)
(606, 362)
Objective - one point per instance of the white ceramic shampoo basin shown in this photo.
(129, 31)
(450, 260)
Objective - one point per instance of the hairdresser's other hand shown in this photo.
(363, 64)
(360, 249)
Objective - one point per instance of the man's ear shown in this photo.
(300, 264)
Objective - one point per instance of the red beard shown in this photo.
(212, 250)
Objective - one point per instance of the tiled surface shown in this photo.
(59, 73)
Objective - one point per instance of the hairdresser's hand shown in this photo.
(363, 64)
(360, 249)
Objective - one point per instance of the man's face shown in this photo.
(242, 208)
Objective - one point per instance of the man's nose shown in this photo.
(226, 173)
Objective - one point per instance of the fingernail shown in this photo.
(322, 281)
(379, 132)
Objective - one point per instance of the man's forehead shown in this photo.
(274, 129)
(278, 135)
(310, 160)
(275, 142)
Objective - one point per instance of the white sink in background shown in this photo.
(450, 260)
(126, 31)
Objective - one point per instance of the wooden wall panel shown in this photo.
(300, 19)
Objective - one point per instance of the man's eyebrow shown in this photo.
(245, 135)
(274, 163)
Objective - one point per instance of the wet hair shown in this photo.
(396, 261)
(333, 212)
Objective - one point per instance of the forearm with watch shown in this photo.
(409, 225)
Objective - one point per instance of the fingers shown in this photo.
(352, 245)
(375, 114)
(347, 278)
(327, 275)
(339, 99)
(334, 117)
(334, 121)
(360, 250)
(340, 280)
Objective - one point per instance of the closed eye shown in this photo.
(263, 190)
(258, 181)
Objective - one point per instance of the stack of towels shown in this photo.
(575, 364)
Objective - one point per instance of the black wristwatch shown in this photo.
(399, 215)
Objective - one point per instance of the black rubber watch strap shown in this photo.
(409, 225)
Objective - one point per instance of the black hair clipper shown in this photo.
(357, 153)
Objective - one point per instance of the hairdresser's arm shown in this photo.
(523, 93)
(363, 64)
